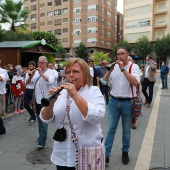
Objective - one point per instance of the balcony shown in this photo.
(161, 11)
(160, 24)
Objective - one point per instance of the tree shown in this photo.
(61, 50)
(48, 37)
(162, 47)
(81, 51)
(122, 43)
(142, 47)
(11, 12)
(100, 56)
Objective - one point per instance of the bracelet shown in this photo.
(123, 70)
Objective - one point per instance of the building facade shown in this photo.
(73, 21)
(149, 18)
(120, 23)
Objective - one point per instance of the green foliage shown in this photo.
(61, 50)
(81, 51)
(50, 58)
(142, 47)
(162, 47)
(122, 43)
(48, 37)
(63, 63)
(11, 12)
(100, 56)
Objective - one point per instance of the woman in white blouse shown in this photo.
(87, 109)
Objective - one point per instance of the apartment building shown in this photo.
(73, 21)
(120, 23)
(146, 17)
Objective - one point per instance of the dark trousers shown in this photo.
(105, 91)
(65, 168)
(2, 127)
(145, 84)
(27, 98)
(43, 127)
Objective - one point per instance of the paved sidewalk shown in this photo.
(150, 146)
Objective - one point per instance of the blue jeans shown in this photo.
(164, 81)
(43, 127)
(117, 109)
(27, 98)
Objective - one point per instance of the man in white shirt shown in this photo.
(42, 78)
(3, 79)
(52, 67)
(121, 102)
(28, 94)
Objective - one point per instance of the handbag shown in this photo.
(87, 158)
(61, 133)
(137, 101)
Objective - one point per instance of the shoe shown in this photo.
(107, 161)
(149, 105)
(37, 140)
(125, 158)
(162, 88)
(20, 111)
(2, 131)
(39, 146)
(29, 119)
(32, 122)
(4, 115)
(146, 102)
(16, 112)
(134, 126)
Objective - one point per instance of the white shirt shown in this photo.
(56, 77)
(16, 78)
(91, 71)
(42, 87)
(4, 75)
(146, 72)
(120, 84)
(88, 130)
(28, 86)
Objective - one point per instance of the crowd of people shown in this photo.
(77, 111)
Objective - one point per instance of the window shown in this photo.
(65, 40)
(33, 7)
(102, 10)
(92, 40)
(65, 0)
(92, 18)
(59, 41)
(26, 8)
(77, 10)
(65, 19)
(77, 20)
(27, 17)
(42, 14)
(77, 42)
(49, 3)
(49, 23)
(33, 26)
(109, 4)
(33, 17)
(33, 0)
(57, 12)
(42, 5)
(65, 10)
(57, 32)
(92, 7)
(77, 1)
(77, 31)
(136, 36)
(138, 23)
(50, 31)
(57, 22)
(92, 29)
(42, 24)
(65, 30)
(57, 2)
(49, 13)
(108, 23)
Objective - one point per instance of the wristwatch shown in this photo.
(123, 70)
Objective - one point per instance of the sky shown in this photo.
(119, 8)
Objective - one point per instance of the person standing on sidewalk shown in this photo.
(3, 79)
(121, 102)
(29, 94)
(148, 79)
(164, 75)
(42, 78)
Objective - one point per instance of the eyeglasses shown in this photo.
(74, 72)
(121, 53)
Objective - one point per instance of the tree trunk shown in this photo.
(12, 27)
